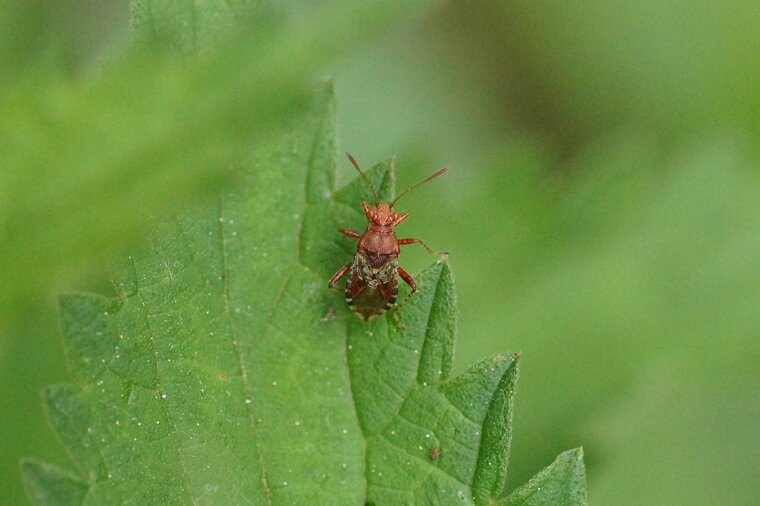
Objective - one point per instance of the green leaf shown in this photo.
(48, 484)
(189, 28)
(226, 372)
(561, 483)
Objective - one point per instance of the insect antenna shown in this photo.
(371, 186)
(417, 184)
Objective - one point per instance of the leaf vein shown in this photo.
(169, 420)
(248, 391)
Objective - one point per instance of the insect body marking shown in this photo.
(375, 270)
(372, 289)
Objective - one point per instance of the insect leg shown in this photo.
(336, 277)
(394, 313)
(408, 279)
(349, 233)
(412, 240)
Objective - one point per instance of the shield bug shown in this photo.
(372, 284)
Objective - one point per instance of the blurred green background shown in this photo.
(602, 214)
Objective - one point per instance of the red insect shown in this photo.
(372, 285)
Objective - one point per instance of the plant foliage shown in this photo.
(226, 372)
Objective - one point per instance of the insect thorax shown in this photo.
(375, 271)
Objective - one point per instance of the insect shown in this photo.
(372, 284)
(434, 453)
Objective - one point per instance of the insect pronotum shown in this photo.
(372, 285)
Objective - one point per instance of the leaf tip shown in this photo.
(49, 484)
(561, 482)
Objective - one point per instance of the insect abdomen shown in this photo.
(369, 304)
(371, 291)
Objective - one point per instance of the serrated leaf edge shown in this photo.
(575, 455)
(486, 485)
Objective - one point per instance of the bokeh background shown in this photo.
(602, 212)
